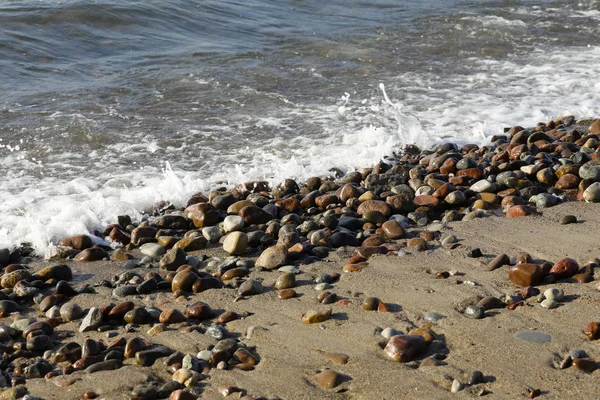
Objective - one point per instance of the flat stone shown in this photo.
(434, 316)
(483, 186)
(108, 365)
(328, 379)
(153, 250)
(533, 336)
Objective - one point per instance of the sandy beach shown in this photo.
(289, 350)
(446, 272)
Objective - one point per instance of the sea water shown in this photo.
(108, 106)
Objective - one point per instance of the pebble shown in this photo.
(456, 386)
(153, 250)
(433, 316)
(554, 294)
(568, 219)
(236, 243)
(549, 304)
(533, 336)
(71, 311)
(273, 257)
(313, 317)
(370, 303)
(387, 333)
(285, 281)
(474, 312)
(476, 377)
(92, 320)
(292, 269)
(592, 330)
(328, 379)
(404, 348)
(498, 261)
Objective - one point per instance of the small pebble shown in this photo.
(549, 304)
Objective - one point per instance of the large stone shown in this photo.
(526, 275)
(564, 268)
(10, 279)
(233, 223)
(272, 257)
(79, 242)
(404, 348)
(173, 259)
(236, 243)
(184, 280)
(483, 186)
(59, 272)
(592, 193)
(374, 205)
(254, 215)
(91, 254)
(393, 230)
(590, 172)
(92, 320)
(202, 214)
(142, 233)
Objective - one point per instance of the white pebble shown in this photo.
(549, 304)
(456, 386)
(554, 294)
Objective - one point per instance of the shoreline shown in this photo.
(402, 249)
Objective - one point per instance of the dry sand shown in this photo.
(288, 348)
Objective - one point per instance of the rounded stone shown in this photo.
(285, 281)
(71, 311)
(171, 316)
(233, 223)
(236, 243)
(474, 312)
(199, 310)
(554, 294)
(138, 315)
(404, 348)
(184, 281)
(370, 304)
(549, 304)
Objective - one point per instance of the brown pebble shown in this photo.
(171, 316)
(592, 330)
(353, 267)
(404, 348)
(182, 395)
(312, 316)
(585, 364)
(498, 261)
(286, 294)
(328, 379)
(336, 358)
(370, 304)
(227, 316)
(89, 395)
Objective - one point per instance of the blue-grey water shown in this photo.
(109, 106)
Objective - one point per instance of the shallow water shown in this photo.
(109, 106)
